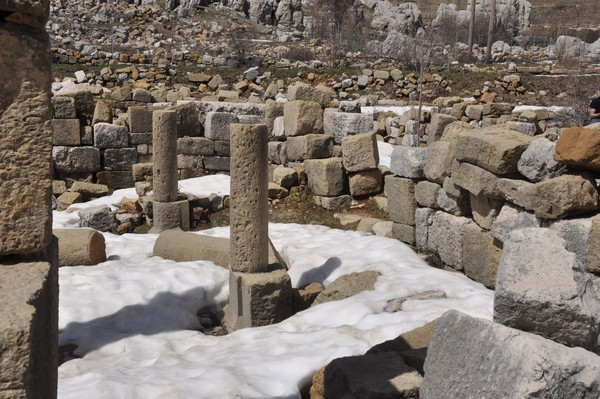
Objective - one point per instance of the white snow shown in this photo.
(134, 321)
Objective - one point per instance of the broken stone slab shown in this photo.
(360, 152)
(348, 285)
(25, 132)
(100, 218)
(80, 247)
(475, 358)
(395, 305)
(564, 196)
(408, 161)
(537, 162)
(543, 289)
(578, 147)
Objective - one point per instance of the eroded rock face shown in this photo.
(25, 139)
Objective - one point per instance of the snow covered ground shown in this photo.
(133, 317)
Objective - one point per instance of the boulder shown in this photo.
(543, 289)
(309, 146)
(474, 358)
(579, 147)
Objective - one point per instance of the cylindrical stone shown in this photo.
(249, 215)
(164, 142)
(170, 215)
(80, 247)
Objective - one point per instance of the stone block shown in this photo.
(184, 246)
(29, 328)
(302, 117)
(366, 182)
(474, 112)
(277, 152)
(189, 162)
(408, 161)
(140, 119)
(526, 128)
(564, 196)
(593, 244)
(481, 255)
(579, 147)
(404, 233)
(89, 190)
(25, 132)
(343, 124)
(188, 120)
(258, 299)
(285, 177)
(543, 289)
(435, 129)
(222, 148)
(512, 218)
(426, 193)
(278, 131)
(400, 193)
(119, 158)
(100, 218)
(446, 238)
(515, 192)
(115, 179)
(537, 162)
(474, 358)
(102, 113)
(107, 135)
(195, 146)
(63, 107)
(438, 163)
(65, 132)
(575, 233)
(217, 164)
(423, 219)
(80, 247)
(140, 138)
(306, 92)
(326, 177)
(309, 146)
(170, 215)
(216, 125)
(474, 179)
(494, 149)
(485, 210)
(453, 199)
(273, 110)
(360, 152)
(76, 159)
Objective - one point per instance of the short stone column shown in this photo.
(260, 292)
(168, 212)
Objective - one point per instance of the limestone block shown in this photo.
(575, 233)
(80, 247)
(189, 162)
(277, 152)
(141, 95)
(481, 255)
(326, 177)
(496, 110)
(593, 246)
(438, 162)
(408, 161)
(365, 182)
(453, 199)
(102, 113)
(564, 195)
(140, 119)
(140, 138)
(65, 132)
(542, 288)
(494, 149)
(195, 146)
(526, 128)
(485, 210)
(170, 215)
(217, 164)
(217, 125)
(119, 158)
(511, 218)
(474, 179)
(378, 375)
(29, 329)
(89, 190)
(423, 219)
(76, 159)
(273, 110)
(115, 179)
(537, 162)
(435, 129)
(258, 299)
(348, 285)
(336, 203)
(302, 117)
(426, 193)
(515, 192)
(474, 358)
(404, 233)
(360, 152)
(306, 92)
(285, 177)
(309, 146)
(107, 135)
(25, 134)
(188, 120)
(446, 238)
(249, 198)
(400, 193)
(222, 148)
(63, 107)
(100, 218)
(474, 111)
(579, 147)
(348, 124)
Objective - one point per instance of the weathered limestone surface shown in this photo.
(359, 152)
(309, 146)
(537, 162)
(579, 147)
(29, 329)
(249, 198)
(408, 161)
(563, 195)
(401, 199)
(164, 137)
(485, 210)
(80, 247)
(439, 161)
(446, 238)
(475, 358)
(302, 117)
(170, 215)
(348, 285)
(593, 244)
(326, 177)
(25, 133)
(343, 124)
(542, 288)
(474, 179)
(481, 255)
(512, 218)
(365, 182)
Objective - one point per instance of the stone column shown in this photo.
(260, 291)
(28, 252)
(168, 213)
(249, 212)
